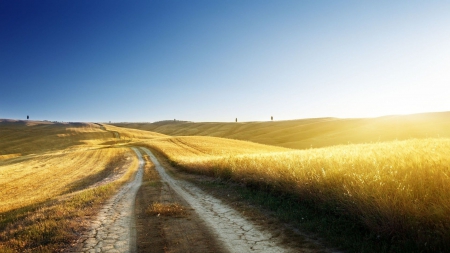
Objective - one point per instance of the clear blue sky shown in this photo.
(217, 60)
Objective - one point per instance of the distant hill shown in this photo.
(316, 132)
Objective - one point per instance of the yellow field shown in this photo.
(395, 188)
(193, 148)
(22, 138)
(46, 160)
(39, 178)
(307, 133)
(398, 189)
(133, 134)
(45, 171)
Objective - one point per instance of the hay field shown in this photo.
(307, 133)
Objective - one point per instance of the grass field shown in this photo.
(39, 178)
(307, 133)
(45, 172)
(398, 190)
(20, 138)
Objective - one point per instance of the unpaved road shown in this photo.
(210, 226)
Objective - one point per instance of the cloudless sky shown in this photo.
(145, 61)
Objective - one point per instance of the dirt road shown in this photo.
(207, 223)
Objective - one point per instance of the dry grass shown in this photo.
(151, 175)
(193, 148)
(52, 226)
(133, 134)
(35, 179)
(166, 209)
(399, 190)
(24, 138)
(41, 164)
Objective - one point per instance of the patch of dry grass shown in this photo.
(150, 174)
(166, 209)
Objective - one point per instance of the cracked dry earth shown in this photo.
(211, 226)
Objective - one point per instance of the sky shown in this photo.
(217, 60)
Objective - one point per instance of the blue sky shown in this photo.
(145, 61)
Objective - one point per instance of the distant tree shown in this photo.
(236, 119)
(271, 118)
(28, 117)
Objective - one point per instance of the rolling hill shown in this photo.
(316, 132)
